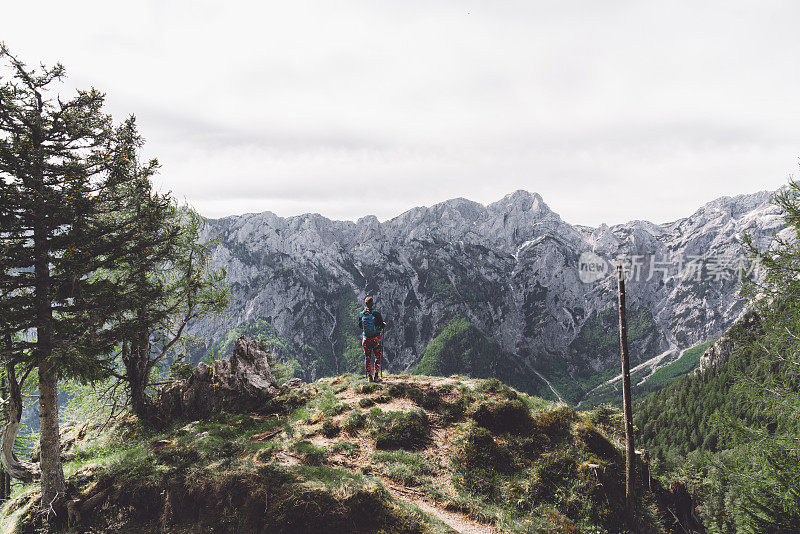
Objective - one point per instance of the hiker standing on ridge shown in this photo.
(372, 325)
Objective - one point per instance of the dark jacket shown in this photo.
(379, 322)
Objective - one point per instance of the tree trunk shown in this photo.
(53, 485)
(5, 493)
(13, 466)
(137, 370)
(16, 468)
(138, 383)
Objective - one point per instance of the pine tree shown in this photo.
(189, 288)
(163, 269)
(56, 235)
(770, 391)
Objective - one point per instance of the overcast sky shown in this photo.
(612, 110)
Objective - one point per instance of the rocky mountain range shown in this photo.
(541, 290)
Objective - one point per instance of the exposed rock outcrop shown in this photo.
(743, 329)
(243, 382)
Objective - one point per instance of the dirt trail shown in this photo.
(456, 521)
(437, 453)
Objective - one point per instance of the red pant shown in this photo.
(372, 345)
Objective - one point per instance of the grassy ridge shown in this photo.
(313, 461)
(463, 349)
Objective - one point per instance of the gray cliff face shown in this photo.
(745, 329)
(510, 268)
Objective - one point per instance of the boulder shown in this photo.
(242, 383)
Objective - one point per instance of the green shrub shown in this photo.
(329, 404)
(366, 402)
(493, 385)
(354, 421)
(593, 441)
(558, 522)
(337, 409)
(330, 429)
(366, 389)
(430, 400)
(556, 423)
(292, 399)
(266, 452)
(397, 390)
(426, 398)
(450, 412)
(551, 471)
(606, 417)
(335, 501)
(414, 394)
(181, 370)
(528, 448)
(400, 430)
(512, 416)
(348, 448)
(477, 461)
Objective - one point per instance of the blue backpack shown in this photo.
(368, 327)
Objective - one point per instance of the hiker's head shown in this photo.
(369, 302)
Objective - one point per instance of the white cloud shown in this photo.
(611, 110)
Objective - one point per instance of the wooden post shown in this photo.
(626, 394)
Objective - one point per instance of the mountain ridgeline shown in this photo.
(506, 275)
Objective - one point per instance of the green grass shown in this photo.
(327, 403)
(347, 448)
(367, 388)
(503, 416)
(311, 454)
(213, 452)
(427, 398)
(399, 430)
(539, 481)
(330, 429)
(409, 469)
(478, 461)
